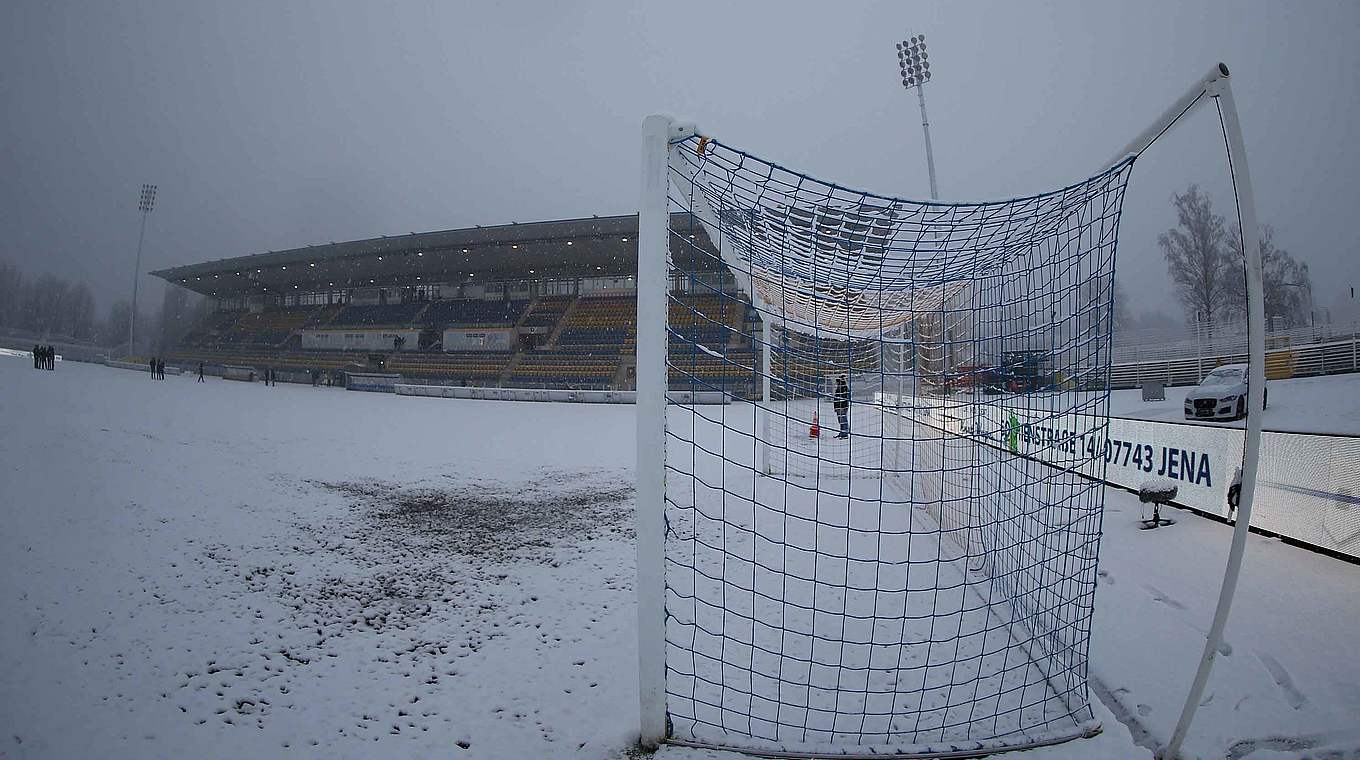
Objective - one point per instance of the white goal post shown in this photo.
(853, 558)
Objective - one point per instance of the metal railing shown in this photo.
(1217, 340)
(1284, 359)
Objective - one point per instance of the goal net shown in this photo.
(858, 558)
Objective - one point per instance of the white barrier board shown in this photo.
(375, 382)
(1308, 488)
(139, 367)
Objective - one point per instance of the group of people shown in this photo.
(44, 357)
(157, 368)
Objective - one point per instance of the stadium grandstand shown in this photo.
(537, 305)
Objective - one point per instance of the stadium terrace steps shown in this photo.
(378, 315)
(556, 333)
(552, 369)
(592, 344)
(600, 320)
(472, 312)
(292, 360)
(547, 311)
(462, 365)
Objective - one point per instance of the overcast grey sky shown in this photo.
(270, 125)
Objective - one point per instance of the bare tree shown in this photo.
(49, 306)
(45, 305)
(115, 328)
(1122, 316)
(177, 317)
(79, 312)
(1197, 257)
(11, 294)
(1285, 283)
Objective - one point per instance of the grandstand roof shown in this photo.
(598, 246)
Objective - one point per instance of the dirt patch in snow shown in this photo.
(487, 518)
(411, 580)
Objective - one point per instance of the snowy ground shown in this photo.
(228, 570)
(1328, 404)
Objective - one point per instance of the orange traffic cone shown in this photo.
(816, 429)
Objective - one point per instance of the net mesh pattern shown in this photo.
(858, 559)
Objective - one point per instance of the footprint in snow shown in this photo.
(1282, 679)
(1159, 596)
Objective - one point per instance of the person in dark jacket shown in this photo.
(200, 372)
(151, 363)
(37, 355)
(841, 402)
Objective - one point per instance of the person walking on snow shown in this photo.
(200, 372)
(841, 403)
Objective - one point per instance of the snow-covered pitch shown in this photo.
(229, 570)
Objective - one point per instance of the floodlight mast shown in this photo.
(1215, 86)
(145, 205)
(914, 64)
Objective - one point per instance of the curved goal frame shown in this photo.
(920, 351)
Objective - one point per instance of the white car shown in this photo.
(1222, 395)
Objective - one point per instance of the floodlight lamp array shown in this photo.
(913, 61)
(148, 199)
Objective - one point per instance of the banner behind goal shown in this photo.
(856, 561)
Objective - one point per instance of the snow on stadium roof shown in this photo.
(595, 247)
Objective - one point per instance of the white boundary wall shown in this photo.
(375, 382)
(26, 354)
(358, 338)
(1309, 485)
(543, 394)
(238, 372)
(134, 366)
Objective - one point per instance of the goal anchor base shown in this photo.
(939, 751)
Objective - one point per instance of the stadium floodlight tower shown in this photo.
(913, 62)
(923, 584)
(144, 205)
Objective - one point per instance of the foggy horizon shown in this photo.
(760, 438)
(269, 128)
